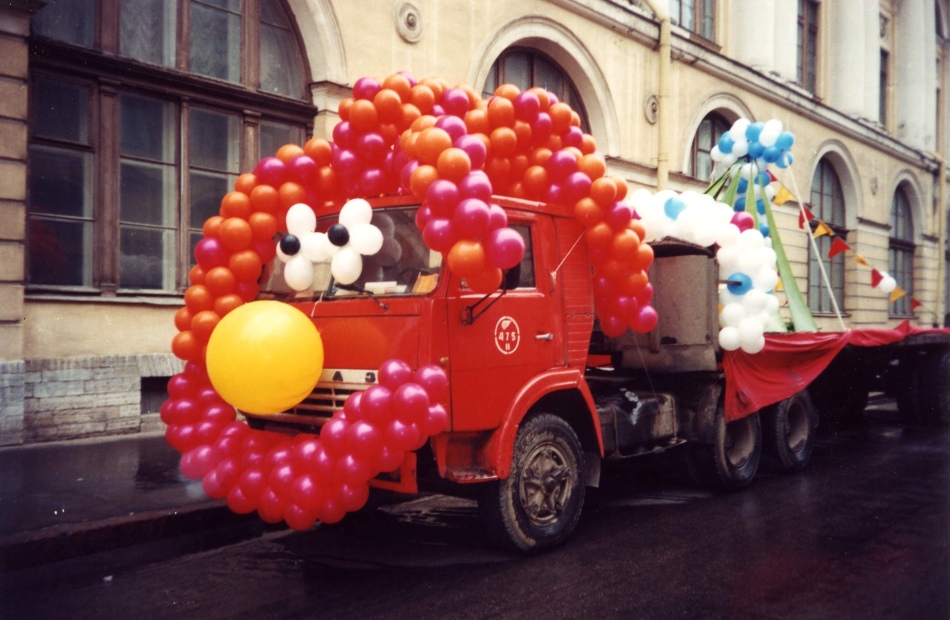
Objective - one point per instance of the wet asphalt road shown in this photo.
(862, 533)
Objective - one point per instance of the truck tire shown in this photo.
(732, 461)
(539, 504)
(788, 432)
(934, 389)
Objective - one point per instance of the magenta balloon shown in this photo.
(561, 164)
(366, 88)
(626, 308)
(612, 326)
(574, 137)
(405, 175)
(394, 373)
(371, 149)
(455, 102)
(504, 248)
(343, 135)
(743, 220)
(474, 147)
(181, 385)
(400, 436)
(576, 186)
(412, 80)
(554, 194)
(453, 125)
(345, 162)
(210, 253)
(442, 197)
(618, 216)
(372, 182)
(376, 404)
(364, 439)
(435, 382)
(184, 411)
(499, 218)
(471, 218)
(527, 106)
(476, 185)
(646, 295)
(410, 403)
(646, 320)
(351, 406)
(542, 128)
(439, 234)
(437, 110)
(437, 420)
(332, 436)
(423, 215)
(271, 171)
(303, 170)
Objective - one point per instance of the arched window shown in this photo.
(827, 204)
(142, 114)
(526, 68)
(901, 250)
(710, 130)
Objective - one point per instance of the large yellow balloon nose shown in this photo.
(265, 357)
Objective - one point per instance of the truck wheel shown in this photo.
(934, 388)
(540, 502)
(788, 432)
(732, 461)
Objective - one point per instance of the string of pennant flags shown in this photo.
(839, 245)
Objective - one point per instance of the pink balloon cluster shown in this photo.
(305, 478)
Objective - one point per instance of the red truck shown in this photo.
(540, 398)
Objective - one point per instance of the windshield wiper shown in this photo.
(362, 291)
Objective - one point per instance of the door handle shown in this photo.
(547, 337)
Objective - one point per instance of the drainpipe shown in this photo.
(942, 238)
(662, 15)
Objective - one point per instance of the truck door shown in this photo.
(498, 343)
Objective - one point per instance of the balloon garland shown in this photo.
(451, 149)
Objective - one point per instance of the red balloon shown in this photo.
(435, 382)
(239, 503)
(271, 506)
(411, 403)
(354, 496)
(394, 373)
(332, 436)
(307, 492)
(281, 479)
(388, 460)
(299, 518)
(353, 470)
(436, 420)
(364, 440)
(401, 436)
(252, 484)
(376, 404)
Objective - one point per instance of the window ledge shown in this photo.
(148, 300)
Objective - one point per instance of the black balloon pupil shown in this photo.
(290, 245)
(338, 235)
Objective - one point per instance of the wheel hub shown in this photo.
(547, 481)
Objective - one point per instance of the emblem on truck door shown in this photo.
(507, 335)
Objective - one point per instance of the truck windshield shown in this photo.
(403, 266)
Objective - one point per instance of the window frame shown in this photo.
(809, 25)
(703, 25)
(901, 251)
(713, 117)
(820, 304)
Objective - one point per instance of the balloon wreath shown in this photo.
(452, 150)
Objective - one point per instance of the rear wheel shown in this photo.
(539, 504)
(934, 389)
(731, 462)
(788, 432)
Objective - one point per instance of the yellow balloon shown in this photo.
(265, 357)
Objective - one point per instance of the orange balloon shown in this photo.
(625, 245)
(632, 284)
(540, 156)
(290, 194)
(644, 257)
(517, 190)
(604, 191)
(524, 133)
(235, 234)
(614, 270)
(319, 151)
(389, 131)
(363, 116)
(227, 303)
(593, 166)
(203, 324)
(542, 96)
(422, 177)
(265, 198)
(519, 163)
(467, 258)
(575, 119)
(183, 319)
(599, 235)
(344, 108)
(638, 227)
(329, 183)
(454, 164)
(263, 226)
(437, 86)
(409, 114)
(212, 226)
(220, 281)
(388, 105)
(423, 122)
(488, 280)
(245, 183)
(186, 347)
(501, 112)
(621, 187)
(477, 121)
(561, 117)
(398, 83)
(422, 97)
(535, 181)
(504, 141)
(432, 141)
(498, 170)
(588, 145)
(508, 91)
(198, 298)
(235, 204)
(196, 275)
(554, 143)
(245, 265)
(588, 212)
(287, 152)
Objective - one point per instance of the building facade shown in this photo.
(123, 122)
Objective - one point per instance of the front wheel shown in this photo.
(539, 504)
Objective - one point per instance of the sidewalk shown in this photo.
(66, 499)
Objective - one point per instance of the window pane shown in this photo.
(69, 21)
(147, 258)
(147, 193)
(709, 19)
(148, 31)
(273, 15)
(61, 110)
(281, 68)
(687, 18)
(550, 77)
(518, 70)
(148, 128)
(59, 252)
(214, 140)
(276, 135)
(60, 181)
(230, 5)
(215, 42)
(206, 191)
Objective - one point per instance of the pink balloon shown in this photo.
(405, 175)
(281, 479)
(627, 309)
(542, 128)
(612, 326)
(471, 218)
(423, 215)
(646, 295)
(498, 219)
(366, 88)
(333, 436)
(303, 170)
(210, 253)
(271, 171)
(410, 403)
(442, 197)
(437, 420)
(345, 162)
(504, 248)
(576, 186)
(401, 436)
(371, 149)
(351, 407)
(618, 216)
(455, 102)
(743, 221)
(435, 382)
(372, 182)
(439, 234)
(363, 440)
(574, 137)
(394, 373)
(527, 106)
(453, 125)
(353, 470)
(376, 404)
(476, 185)
(474, 147)
(646, 320)
(561, 164)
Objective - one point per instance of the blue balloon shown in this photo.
(739, 284)
(772, 154)
(752, 132)
(760, 205)
(785, 140)
(740, 204)
(743, 186)
(785, 160)
(764, 178)
(673, 207)
(756, 149)
(764, 229)
(726, 143)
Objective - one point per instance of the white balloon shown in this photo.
(888, 284)
(366, 239)
(750, 239)
(731, 315)
(726, 298)
(640, 198)
(750, 261)
(727, 236)
(298, 273)
(741, 147)
(326, 246)
(737, 131)
(754, 301)
(772, 304)
(753, 346)
(346, 266)
(313, 246)
(715, 154)
(728, 160)
(301, 220)
(770, 132)
(728, 257)
(765, 279)
(280, 254)
(356, 211)
(729, 338)
(750, 331)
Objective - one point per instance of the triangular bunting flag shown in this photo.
(897, 293)
(914, 304)
(861, 261)
(804, 214)
(782, 195)
(876, 278)
(779, 286)
(837, 247)
(822, 229)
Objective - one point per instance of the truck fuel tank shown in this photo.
(634, 424)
